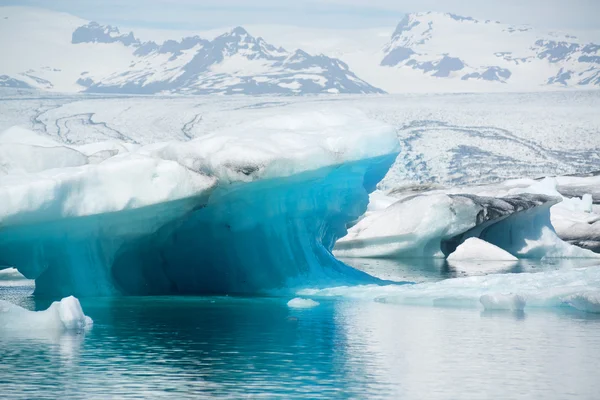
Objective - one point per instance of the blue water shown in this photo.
(230, 347)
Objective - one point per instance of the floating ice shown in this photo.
(585, 301)
(578, 288)
(476, 249)
(246, 209)
(512, 302)
(478, 257)
(11, 274)
(63, 315)
(299, 302)
(435, 225)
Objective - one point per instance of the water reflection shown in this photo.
(436, 269)
(247, 347)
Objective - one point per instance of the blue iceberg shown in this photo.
(244, 210)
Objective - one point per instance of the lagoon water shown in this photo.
(229, 347)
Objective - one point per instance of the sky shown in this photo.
(209, 14)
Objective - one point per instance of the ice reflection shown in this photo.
(441, 353)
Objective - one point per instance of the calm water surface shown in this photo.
(224, 347)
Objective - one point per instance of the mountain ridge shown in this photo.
(426, 52)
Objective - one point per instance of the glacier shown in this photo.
(245, 209)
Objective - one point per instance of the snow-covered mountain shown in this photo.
(234, 62)
(427, 52)
(441, 47)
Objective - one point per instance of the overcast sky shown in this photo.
(208, 14)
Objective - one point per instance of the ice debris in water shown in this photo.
(585, 301)
(299, 302)
(578, 288)
(513, 302)
(63, 315)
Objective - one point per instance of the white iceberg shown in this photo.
(474, 249)
(63, 315)
(299, 302)
(11, 274)
(434, 225)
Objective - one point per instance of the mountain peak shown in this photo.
(238, 31)
(93, 32)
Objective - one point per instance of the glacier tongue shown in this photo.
(245, 209)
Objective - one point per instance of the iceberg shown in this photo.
(63, 315)
(246, 209)
(476, 257)
(299, 302)
(11, 274)
(476, 249)
(435, 225)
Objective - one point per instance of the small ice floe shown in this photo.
(299, 302)
(63, 315)
(11, 274)
(497, 301)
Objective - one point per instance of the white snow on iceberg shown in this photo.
(63, 315)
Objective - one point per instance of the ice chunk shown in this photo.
(585, 301)
(299, 302)
(250, 208)
(476, 249)
(574, 287)
(63, 315)
(436, 224)
(11, 274)
(476, 257)
(496, 301)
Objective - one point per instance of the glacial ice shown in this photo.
(513, 302)
(434, 225)
(585, 301)
(246, 209)
(63, 315)
(517, 216)
(478, 257)
(11, 274)
(299, 302)
(476, 249)
(577, 288)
